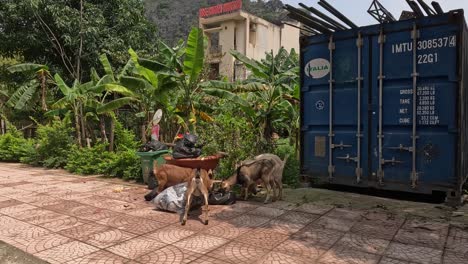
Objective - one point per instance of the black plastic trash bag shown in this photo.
(187, 148)
(220, 198)
(153, 146)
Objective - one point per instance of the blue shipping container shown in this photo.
(384, 106)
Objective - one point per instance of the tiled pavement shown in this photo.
(63, 218)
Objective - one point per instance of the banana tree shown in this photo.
(106, 87)
(268, 96)
(78, 96)
(150, 87)
(39, 79)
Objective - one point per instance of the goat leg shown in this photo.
(205, 209)
(273, 187)
(268, 190)
(187, 207)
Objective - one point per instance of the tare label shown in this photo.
(426, 107)
(426, 44)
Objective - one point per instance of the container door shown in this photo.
(416, 152)
(334, 110)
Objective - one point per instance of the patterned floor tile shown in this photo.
(108, 238)
(455, 257)
(334, 223)
(344, 214)
(226, 214)
(457, 244)
(363, 243)
(152, 214)
(200, 243)
(169, 255)
(424, 225)
(376, 229)
(170, 235)
(246, 220)
(209, 260)
(306, 249)
(458, 232)
(142, 227)
(100, 257)
(414, 253)
(10, 210)
(265, 238)
(9, 202)
(267, 212)
(279, 258)
(343, 255)
(235, 252)
(45, 242)
(28, 234)
(434, 239)
(226, 230)
(134, 248)
(83, 231)
(67, 252)
(387, 260)
(283, 226)
(323, 238)
(62, 223)
(314, 209)
(298, 217)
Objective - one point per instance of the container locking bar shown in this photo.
(393, 161)
(414, 136)
(359, 79)
(341, 145)
(401, 147)
(380, 136)
(331, 168)
(348, 158)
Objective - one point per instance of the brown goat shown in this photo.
(169, 175)
(200, 183)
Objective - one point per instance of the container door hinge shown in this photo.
(414, 179)
(358, 175)
(331, 171)
(380, 176)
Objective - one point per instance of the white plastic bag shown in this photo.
(172, 199)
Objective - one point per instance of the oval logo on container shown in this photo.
(317, 68)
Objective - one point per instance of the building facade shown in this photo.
(228, 27)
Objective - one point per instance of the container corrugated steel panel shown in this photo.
(359, 91)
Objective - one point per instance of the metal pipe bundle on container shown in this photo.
(337, 13)
(330, 20)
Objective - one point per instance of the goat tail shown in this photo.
(197, 173)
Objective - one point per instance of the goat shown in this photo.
(200, 183)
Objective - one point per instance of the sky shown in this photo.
(356, 10)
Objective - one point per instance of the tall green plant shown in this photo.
(38, 79)
(269, 96)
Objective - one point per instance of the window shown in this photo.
(253, 34)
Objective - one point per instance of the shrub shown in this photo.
(89, 160)
(125, 164)
(291, 170)
(55, 142)
(230, 134)
(13, 146)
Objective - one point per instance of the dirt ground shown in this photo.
(12, 255)
(404, 208)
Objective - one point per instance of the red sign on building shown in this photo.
(221, 9)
